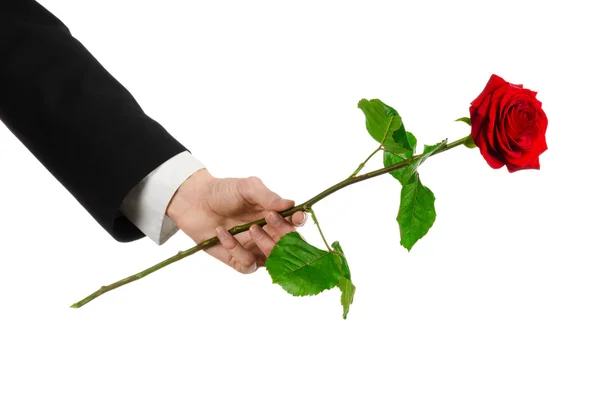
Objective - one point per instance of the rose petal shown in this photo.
(534, 164)
(493, 84)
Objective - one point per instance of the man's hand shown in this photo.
(205, 206)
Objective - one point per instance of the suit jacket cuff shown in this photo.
(146, 204)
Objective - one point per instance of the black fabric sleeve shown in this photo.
(74, 117)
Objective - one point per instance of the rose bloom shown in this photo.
(509, 125)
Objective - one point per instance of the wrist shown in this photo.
(186, 194)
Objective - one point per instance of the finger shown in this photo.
(258, 254)
(255, 192)
(262, 239)
(220, 253)
(241, 259)
(298, 218)
(278, 227)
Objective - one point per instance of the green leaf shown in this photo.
(406, 173)
(390, 158)
(348, 289)
(341, 259)
(464, 120)
(302, 269)
(417, 212)
(412, 142)
(470, 143)
(428, 150)
(385, 125)
(401, 137)
(345, 284)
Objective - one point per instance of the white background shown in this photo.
(501, 298)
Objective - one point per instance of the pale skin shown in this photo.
(205, 206)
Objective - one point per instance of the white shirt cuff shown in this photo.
(146, 204)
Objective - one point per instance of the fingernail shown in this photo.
(249, 269)
(253, 230)
(274, 218)
(304, 218)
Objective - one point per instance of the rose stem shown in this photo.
(314, 217)
(306, 206)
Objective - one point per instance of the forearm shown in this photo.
(78, 121)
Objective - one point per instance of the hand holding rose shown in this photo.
(204, 206)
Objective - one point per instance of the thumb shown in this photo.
(254, 191)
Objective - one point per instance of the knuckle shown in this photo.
(229, 243)
(258, 233)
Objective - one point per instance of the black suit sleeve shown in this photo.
(74, 117)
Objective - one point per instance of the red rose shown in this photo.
(508, 125)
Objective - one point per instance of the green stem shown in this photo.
(362, 165)
(306, 206)
(314, 217)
